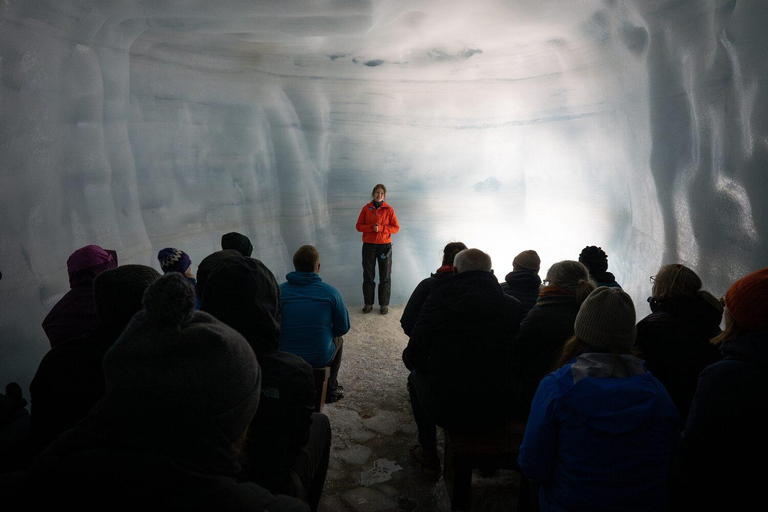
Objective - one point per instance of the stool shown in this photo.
(488, 450)
(321, 386)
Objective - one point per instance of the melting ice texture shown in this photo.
(637, 125)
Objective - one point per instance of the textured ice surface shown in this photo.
(637, 125)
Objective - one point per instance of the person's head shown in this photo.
(746, 306)
(595, 259)
(472, 259)
(118, 293)
(179, 381)
(306, 259)
(206, 266)
(174, 260)
(243, 293)
(86, 263)
(674, 281)
(451, 250)
(379, 192)
(572, 277)
(527, 260)
(606, 321)
(238, 242)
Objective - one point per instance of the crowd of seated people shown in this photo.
(189, 393)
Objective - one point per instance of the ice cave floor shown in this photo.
(373, 431)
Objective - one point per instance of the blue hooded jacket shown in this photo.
(600, 436)
(313, 313)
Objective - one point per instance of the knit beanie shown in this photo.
(173, 260)
(747, 301)
(527, 260)
(179, 379)
(238, 242)
(595, 259)
(118, 293)
(606, 319)
(210, 262)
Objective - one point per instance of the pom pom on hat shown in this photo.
(173, 260)
(747, 301)
(170, 300)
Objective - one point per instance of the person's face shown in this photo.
(378, 195)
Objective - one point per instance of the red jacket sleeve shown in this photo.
(361, 225)
(392, 225)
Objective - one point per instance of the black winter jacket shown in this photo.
(417, 299)
(524, 285)
(461, 350)
(725, 445)
(674, 341)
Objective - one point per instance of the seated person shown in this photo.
(75, 313)
(181, 389)
(524, 283)
(595, 259)
(314, 318)
(459, 355)
(602, 431)
(176, 260)
(237, 242)
(70, 379)
(422, 290)
(288, 446)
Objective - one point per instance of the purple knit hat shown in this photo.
(173, 260)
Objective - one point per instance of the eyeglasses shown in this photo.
(653, 279)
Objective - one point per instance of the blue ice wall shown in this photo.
(639, 126)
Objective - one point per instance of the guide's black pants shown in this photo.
(381, 253)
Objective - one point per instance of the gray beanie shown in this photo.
(606, 319)
(187, 372)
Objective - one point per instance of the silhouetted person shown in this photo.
(602, 431)
(459, 356)
(314, 318)
(674, 340)
(288, 446)
(176, 260)
(547, 326)
(70, 379)
(423, 289)
(75, 313)
(238, 242)
(595, 259)
(724, 445)
(524, 283)
(181, 389)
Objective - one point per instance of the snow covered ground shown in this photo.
(373, 431)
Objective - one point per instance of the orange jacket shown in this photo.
(384, 216)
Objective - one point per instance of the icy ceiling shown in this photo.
(640, 126)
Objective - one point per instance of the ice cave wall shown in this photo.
(638, 125)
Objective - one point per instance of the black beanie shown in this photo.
(238, 242)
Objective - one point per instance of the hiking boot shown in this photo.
(367, 308)
(428, 460)
(384, 310)
(334, 395)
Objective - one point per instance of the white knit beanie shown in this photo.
(606, 319)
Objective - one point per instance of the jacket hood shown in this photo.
(692, 309)
(752, 347)
(604, 278)
(527, 279)
(302, 278)
(86, 263)
(621, 408)
(243, 293)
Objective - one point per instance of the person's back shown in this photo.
(524, 283)
(75, 313)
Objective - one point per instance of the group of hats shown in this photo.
(176, 260)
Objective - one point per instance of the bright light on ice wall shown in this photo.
(635, 125)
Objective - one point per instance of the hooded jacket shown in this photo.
(313, 313)
(384, 216)
(524, 285)
(674, 342)
(417, 299)
(461, 348)
(600, 437)
(75, 313)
